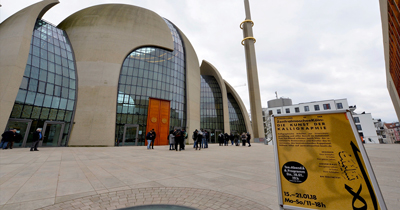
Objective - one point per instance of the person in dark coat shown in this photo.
(199, 139)
(226, 139)
(194, 137)
(178, 139)
(37, 136)
(17, 138)
(248, 139)
(154, 135)
(7, 136)
(232, 138)
(149, 137)
(221, 139)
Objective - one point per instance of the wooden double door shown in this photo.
(158, 116)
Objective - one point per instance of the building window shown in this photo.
(152, 72)
(327, 106)
(212, 116)
(359, 127)
(306, 108)
(356, 120)
(270, 112)
(361, 134)
(297, 109)
(278, 111)
(316, 107)
(384, 136)
(236, 119)
(287, 110)
(339, 105)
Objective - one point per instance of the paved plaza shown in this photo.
(118, 177)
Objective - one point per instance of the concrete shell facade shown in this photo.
(102, 37)
(15, 39)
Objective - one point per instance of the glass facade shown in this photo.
(236, 120)
(211, 108)
(151, 72)
(48, 88)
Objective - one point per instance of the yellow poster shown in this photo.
(320, 163)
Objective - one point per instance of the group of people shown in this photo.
(223, 139)
(177, 137)
(200, 138)
(11, 136)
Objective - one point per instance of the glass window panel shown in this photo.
(35, 61)
(53, 114)
(35, 112)
(50, 48)
(65, 72)
(68, 116)
(57, 90)
(65, 82)
(58, 80)
(51, 57)
(43, 75)
(50, 78)
(26, 113)
(70, 105)
(36, 51)
(17, 110)
(45, 113)
(27, 72)
(35, 72)
(72, 94)
(58, 60)
(50, 89)
(57, 50)
(47, 100)
(21, 96)
(63, 103)
(39, 99)
(72, 74)
(60, 115)
(51, 67)
(71, 64)
(55, 103)
(63, 53)
(64, 92)
(58, 69)
(30, 98)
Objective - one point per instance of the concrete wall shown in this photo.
(102, 36)
(207, 68)
(15, 38)
(229, 89)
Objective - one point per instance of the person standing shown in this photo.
(178, 139)
(7, 136)
(154, 135)
(221, 139)
(248, 139)
(226, 139)
(199, 139)
(203, 138)
(184, 137)
(194, 137)
(244, 138)
(207, 139)
(232, 138)
(171, 140)
(17, 138)
(37, 136)
(149, 137)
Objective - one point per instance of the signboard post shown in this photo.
(321, 163)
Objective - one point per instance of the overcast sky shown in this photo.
(307, 50)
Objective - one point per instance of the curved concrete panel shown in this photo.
(102, 36)
(15, 38)
(232, 91)
(207, 68)
(193, 86)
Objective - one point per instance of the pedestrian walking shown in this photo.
(194, 137)
(248, 139)
(221, 139)
(226, 139)
(37, 136)
(244, 139)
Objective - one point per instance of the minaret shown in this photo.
(252, 76)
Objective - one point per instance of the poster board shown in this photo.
(321, 163)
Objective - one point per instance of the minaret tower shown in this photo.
(252, 76)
